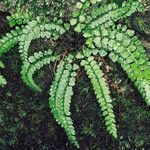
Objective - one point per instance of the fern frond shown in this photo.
(82, 19)
(135, 46)
(102, 93)
(9, 40)
(36, 29)
(125, 48)
(34, 63)
(81, 7)
(60, 97)
(100, 15)
(21, 17)
(139, 75)
(132, 57)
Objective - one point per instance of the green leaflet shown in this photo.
(2, 81)
(73, 21)
(102, 93)
(113, 57)
(1, 65)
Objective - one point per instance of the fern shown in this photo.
(36, 29)
(126, 49)
(19, 18)
(9, 40)
(104, 14)
(102, 93)
(96, 20)
(34, 63)
(60, 99)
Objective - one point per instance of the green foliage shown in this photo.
(97, 22)
(19, 18)
(51, 8)
(126, 49)
(2, 80)
(39, 29)
(102, 93)
(37, 61)
(103, 14)
(60, 99)
(1, 65)
(9, 40)
(100, 32)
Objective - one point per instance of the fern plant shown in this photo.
(97, 22)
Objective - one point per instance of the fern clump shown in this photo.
(97, 22)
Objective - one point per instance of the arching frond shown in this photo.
(102, 93)
(125, 48)
(34, 63)
(9, 40)
(100, 14)
(60, 97)
(2, 79)
(36, 29)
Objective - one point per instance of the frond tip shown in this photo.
(9, 40)
(102, 93)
